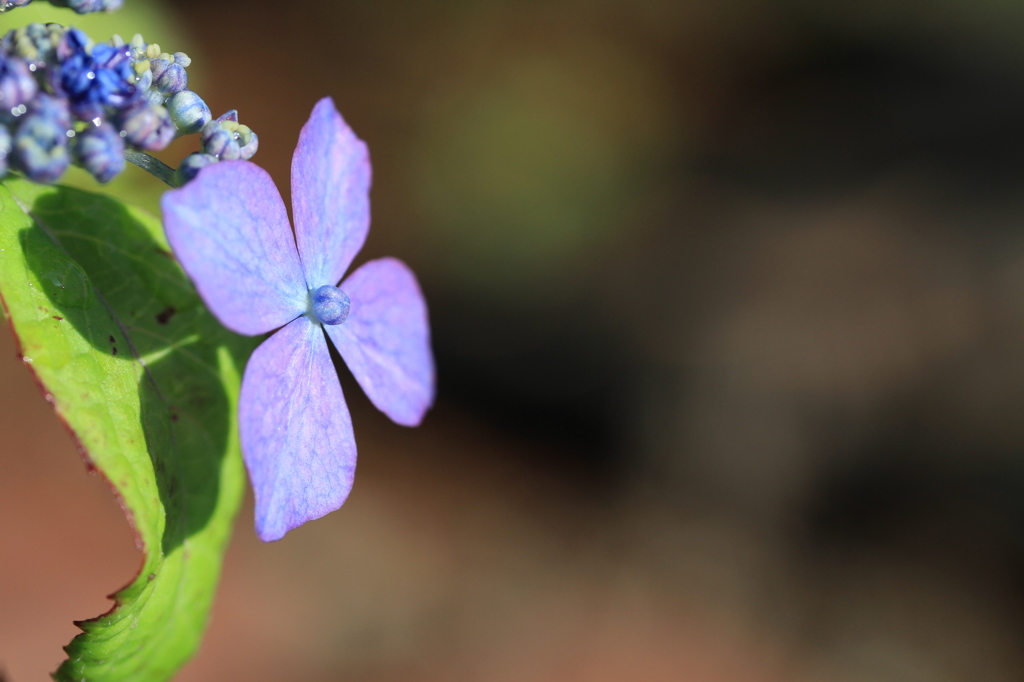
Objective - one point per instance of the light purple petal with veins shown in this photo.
(330, 195)
(385, 340)
(295, 429)
(229, 230)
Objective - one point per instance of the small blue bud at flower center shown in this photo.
(330, 304)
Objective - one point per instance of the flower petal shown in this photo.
(229, 230)
(295, 429)
(330, 195)
(386, 339)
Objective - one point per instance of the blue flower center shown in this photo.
(330, 304)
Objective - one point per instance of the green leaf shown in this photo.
(147, 383)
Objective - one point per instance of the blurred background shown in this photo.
(728, 305)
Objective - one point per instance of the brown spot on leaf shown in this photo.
(164, 316)
(58, 318)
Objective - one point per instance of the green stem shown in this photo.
(152, 165)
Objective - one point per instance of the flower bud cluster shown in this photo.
(80, 6)
(65, 99)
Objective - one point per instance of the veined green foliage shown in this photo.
(147, 383)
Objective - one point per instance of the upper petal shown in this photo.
(330, 195)
(295, 430)
(385, 340)
(229, 230)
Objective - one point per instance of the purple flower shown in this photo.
(230, 231)
(93, 77)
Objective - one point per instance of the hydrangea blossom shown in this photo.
(230, 231)
(135, 89)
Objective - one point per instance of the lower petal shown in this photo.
(295, 429)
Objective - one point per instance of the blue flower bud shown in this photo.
(221, 144)
(144, 81)
(41, 145)
(87, 6)
(248, 142)
(138, 46)
(158, 66)
(5, 149)
(330, 304)
(191, 165)
(227, 139)
(153, 96)
(99, 150)
(188, 111)
(53, 108)
(148, 126)
(169, 79)
(35, 43)
(17, 84)
(72, 42)
(182, 59)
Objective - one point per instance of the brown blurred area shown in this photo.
(728, 305)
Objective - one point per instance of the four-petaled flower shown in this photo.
(230, 231)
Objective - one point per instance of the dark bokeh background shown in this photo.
(728, 307)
